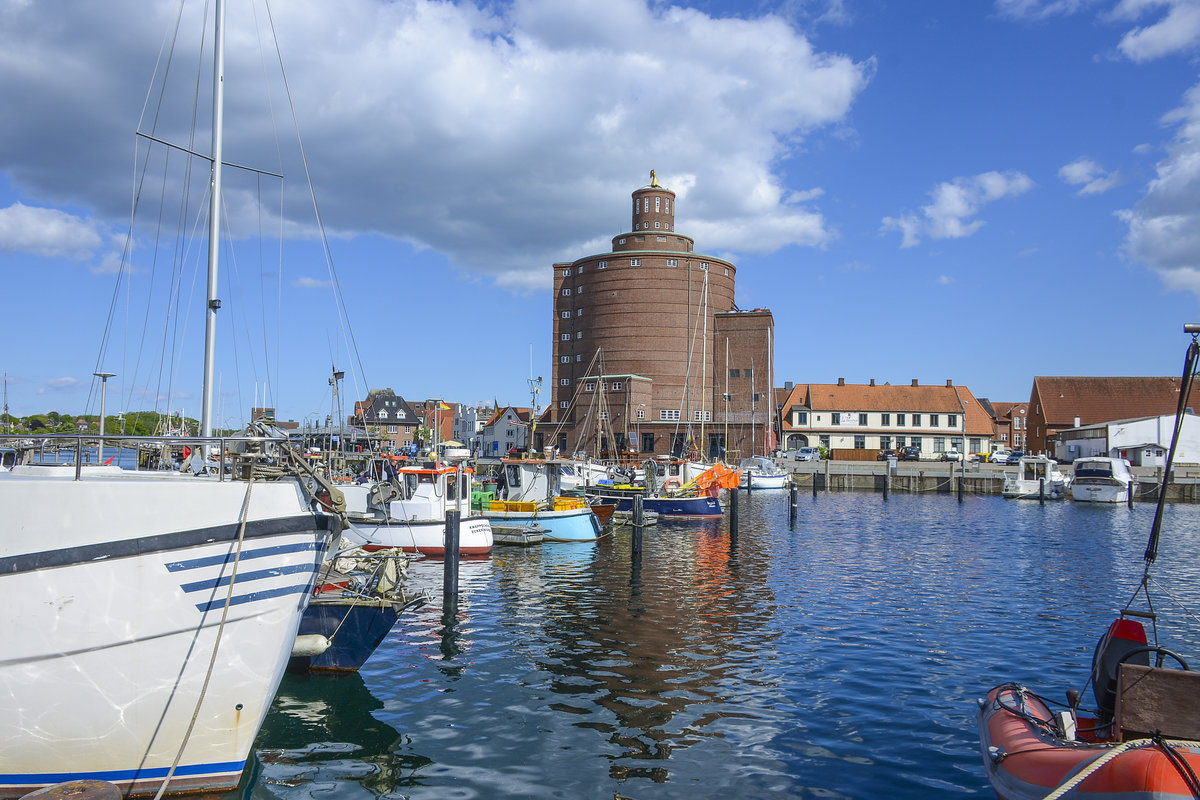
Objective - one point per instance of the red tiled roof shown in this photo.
(1103, 399)
(928, 399)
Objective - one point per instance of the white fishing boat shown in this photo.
(407, 508)
(1100, 479)
(151, 615)
(760, 472)
(1037, 477)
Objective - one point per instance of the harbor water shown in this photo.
(841, 659)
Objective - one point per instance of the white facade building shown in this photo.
(1143, 441)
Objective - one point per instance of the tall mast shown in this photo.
(704, 365)
(752, 433)
(214, 221)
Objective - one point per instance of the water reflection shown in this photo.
(838, 659)
(322, 737)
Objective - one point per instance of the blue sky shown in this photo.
(975, 191)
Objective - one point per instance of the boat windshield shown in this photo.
(1093, 469)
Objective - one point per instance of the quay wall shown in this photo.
(935, 476)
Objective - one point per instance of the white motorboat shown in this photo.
(1100, 479)
(1037, 477)
(760, 472)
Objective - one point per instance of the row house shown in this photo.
(387, 418)
(1012, 423)
(874, 417)
(507, 429)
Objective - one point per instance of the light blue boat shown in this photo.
(528, 494)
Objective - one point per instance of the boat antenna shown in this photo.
(1185, 388)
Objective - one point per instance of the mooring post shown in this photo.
(793, 492)
(450, 570)
(733, 513)
(814, 477)
(638, 514)
(960, 488)
(749, 480)
(1129, 493)
(1042, 491)
(887, 479)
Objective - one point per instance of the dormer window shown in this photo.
(383, 414)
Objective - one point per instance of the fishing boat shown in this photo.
(699, 498)
(356, 601)
(1142, 739)
(157, 611)
(1100, 479)
(760, 472)
(529, 492)
(405, 507)
(1037, 477)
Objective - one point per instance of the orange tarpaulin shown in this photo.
(719, 476)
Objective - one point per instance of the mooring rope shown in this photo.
(212, 661)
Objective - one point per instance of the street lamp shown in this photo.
(103, 376)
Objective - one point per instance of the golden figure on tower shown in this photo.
(653, 179)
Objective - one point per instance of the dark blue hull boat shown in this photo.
(353, 627)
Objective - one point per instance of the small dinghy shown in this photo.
(1142, 739)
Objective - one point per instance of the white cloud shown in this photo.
(1090, 176)
(311, 283)
(495, 134)
(1164, 226)
(1040, 9)
(945, 280)
(46, 232)
(955, 203)
(60, 385)
(1177, 30)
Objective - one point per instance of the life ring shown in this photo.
(671, 484)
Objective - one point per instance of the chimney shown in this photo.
(915, 382)
(872, 381)
(949, 383)
(841, 381)
(788, 386)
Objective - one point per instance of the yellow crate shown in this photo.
(512, 505)
(568, 503)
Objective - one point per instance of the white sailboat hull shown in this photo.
(116, 590)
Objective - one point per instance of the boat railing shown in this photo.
(149, 451)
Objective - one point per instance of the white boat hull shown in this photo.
(116, 591)
(427, 537)
(755, 481)
(1099, 492)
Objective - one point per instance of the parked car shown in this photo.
(884, 455)
(1015, 457)
(808, 454)
(951, 455)
(910, 453)
(998, 457)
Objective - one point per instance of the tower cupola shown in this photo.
(653, 207)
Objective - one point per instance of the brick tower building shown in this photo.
(641, 337)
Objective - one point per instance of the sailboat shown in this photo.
(1142, 740)
(150, 616)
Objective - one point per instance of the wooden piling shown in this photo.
(450, 544)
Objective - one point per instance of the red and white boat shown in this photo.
(406, 509)
(1141, 741)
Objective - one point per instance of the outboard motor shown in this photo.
(1121, 638)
